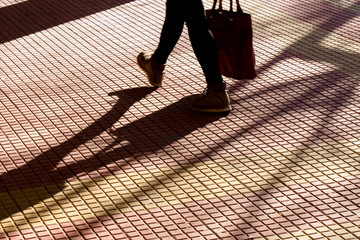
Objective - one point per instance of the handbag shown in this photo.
(233, 36)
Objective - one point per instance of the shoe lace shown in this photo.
(205, 92)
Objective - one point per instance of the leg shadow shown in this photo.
(143, 136)
(42, 170)
(146, 136)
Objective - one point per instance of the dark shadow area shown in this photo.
(42, 169)
(317, 96)
(313, 40)
(31, 16)
(304, 100)
(328, 96)
(145, 135)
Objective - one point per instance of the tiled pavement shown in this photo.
(90, 151)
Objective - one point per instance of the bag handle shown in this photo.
(238, 8)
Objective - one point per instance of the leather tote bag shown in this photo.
(232, 31)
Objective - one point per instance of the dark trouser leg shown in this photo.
(171, 31)
(202, 41)
(192, 12)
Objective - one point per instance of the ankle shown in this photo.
(156, 61)
(217, 87)
(156, 65)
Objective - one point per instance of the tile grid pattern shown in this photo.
(78, 163)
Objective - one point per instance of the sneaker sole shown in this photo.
(147, 74)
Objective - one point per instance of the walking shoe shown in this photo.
(154, 71)
(215, 98)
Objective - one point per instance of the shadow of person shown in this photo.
(145, 136)
(149, 134)
(42, 169)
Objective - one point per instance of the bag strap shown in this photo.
(214, 5)
(238, 8)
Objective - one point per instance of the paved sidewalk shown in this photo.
(88, 150)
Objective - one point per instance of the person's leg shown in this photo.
(171, 31)
(215, 98)
(154, 64)
(202, 41)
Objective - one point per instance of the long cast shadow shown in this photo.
(297, 102)
(329, 107)
(31, 16)
(146, 135)
(41, 170)
(313, 39)
(343, 89)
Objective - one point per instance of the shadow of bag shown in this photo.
(234, 40)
